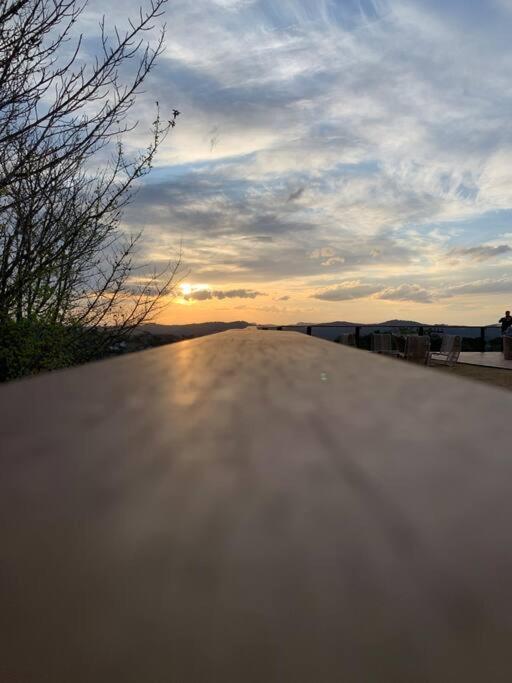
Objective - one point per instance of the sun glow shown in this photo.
(189, 292)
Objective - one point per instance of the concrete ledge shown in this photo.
(254, 507)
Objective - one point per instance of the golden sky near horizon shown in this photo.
(268, 309)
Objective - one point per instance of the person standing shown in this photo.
(506, 322)
(506, 325)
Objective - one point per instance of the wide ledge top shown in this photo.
(254, 507)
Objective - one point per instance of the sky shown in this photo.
(333, 159)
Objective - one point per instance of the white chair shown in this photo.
(451, 346)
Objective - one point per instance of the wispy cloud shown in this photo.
(486, 286)
(480, 253)
(334, 142)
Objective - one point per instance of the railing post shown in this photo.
(358, 330)
(308, 330)
(482, 339)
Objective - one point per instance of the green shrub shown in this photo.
(27, 347)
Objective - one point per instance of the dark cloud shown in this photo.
(209, 203)
(346, 291)
(406, 292)
(206, 294)
(246, 102)
(297, 194)
(259, 238)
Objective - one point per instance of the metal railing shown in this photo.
(482, 342)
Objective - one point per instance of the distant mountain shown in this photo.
(403, 323)
(398, 323)
(192, 330)
(335, 323)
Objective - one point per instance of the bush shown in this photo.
(28, 347)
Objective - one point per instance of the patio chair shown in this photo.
(347, 339)
(451, 346)
(399, 342)
(417, 348)
(383, 343)
(507, 347)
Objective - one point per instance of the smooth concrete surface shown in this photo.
(254, 507)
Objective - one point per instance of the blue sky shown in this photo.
(333, 160)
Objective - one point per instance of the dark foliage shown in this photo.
(70, 285)
(28, 347)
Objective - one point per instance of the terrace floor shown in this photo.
(490, 368)
(490, 359)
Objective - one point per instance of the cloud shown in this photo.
(207, 294)
(406, 292)
(480, 253)
(334, 261)
(296, 195)
(403, 146)
(346, 291)
(259, 238)
(322, 253)
(485, 286)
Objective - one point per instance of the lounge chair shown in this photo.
(451, 345)
(417, 348)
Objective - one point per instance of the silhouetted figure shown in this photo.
(506, 322)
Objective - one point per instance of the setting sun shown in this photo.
(191, 293)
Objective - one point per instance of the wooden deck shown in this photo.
(490, 359)
(254, 507)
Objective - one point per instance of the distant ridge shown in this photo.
(192, 330)
(167, 333)
(336, 322)
(402, 323)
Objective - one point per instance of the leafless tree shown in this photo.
(63, 257)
